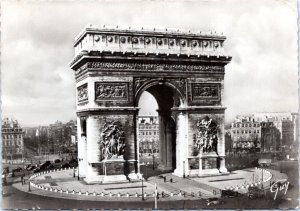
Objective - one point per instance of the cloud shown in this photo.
(38, 86)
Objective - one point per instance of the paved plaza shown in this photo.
(63, 184)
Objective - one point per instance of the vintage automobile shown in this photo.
(229, 193)
(214, 201)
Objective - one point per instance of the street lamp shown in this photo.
(142, 188)
(262, 175)
(183, 169)
(153, 160)
(79, 159)
(29, 190)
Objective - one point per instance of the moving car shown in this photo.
(229, 193)
(214, 201)
(66, 165)
(19, 169)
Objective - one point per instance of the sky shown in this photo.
(38, 86)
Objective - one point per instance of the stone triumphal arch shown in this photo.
(184, 71)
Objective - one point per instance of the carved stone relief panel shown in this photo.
(206, 92)
(112, 141)
(206, 136)
(111, 91)
(82, 93)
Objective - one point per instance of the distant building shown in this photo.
(148, 134)
(264, 132)
(245, 134)
(270, 137)
(286, 123)
(12, 140)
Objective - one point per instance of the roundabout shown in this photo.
(63, 183)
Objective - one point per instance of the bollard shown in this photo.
(136, 195)
(94, 194)
(127, 194)
(171, 194)
(79, 193)
(87, 193)
(110, 195)
(119, 194)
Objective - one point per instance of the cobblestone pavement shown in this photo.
(63, 184)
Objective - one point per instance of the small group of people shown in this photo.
(165, 179)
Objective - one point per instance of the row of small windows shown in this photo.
(245, 131)
(148, 133)
(17, 151)
(11, 143)
(148, 127)
(246, 125)
(12, 136)
(11, 130)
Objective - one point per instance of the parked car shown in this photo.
(51, 166)
(19, 169)
(66, 165)
(57, 161)
(36, 170)
(214, 201)
(45, 165)
(229, 193)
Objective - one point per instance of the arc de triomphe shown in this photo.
(184, 71)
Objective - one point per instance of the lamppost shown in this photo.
(183, 169)
(262, 175)
(29, 190)
(79, 159)
(142, 188)
(153, 160)
(146, 165)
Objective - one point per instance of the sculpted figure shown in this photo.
(206, 137)
(112, 140)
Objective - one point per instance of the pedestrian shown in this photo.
(165, 179)
(22, 179)
(171, 180)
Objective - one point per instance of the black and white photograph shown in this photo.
(149, 104)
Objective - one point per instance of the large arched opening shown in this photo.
(167, 97)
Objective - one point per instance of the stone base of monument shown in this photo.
(93, 180)
(164, 168)
(114, 179)
(209, 172)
